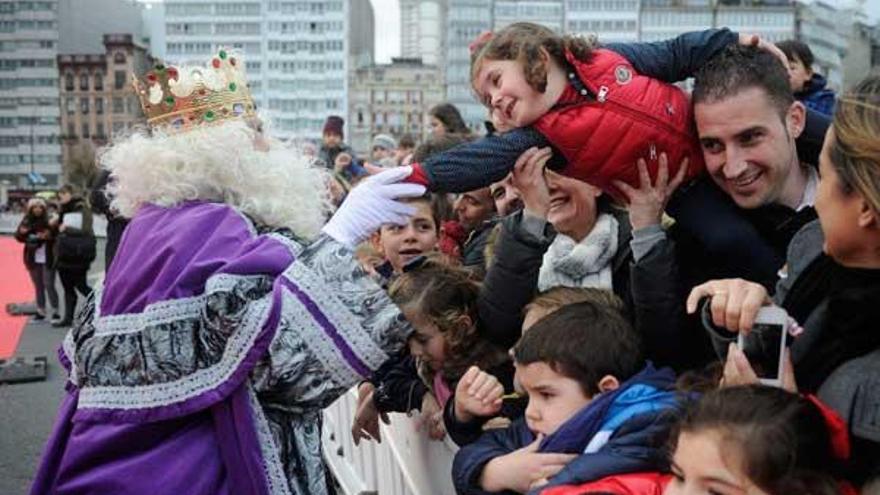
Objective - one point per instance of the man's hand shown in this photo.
(734, 304)
(647, 203)
(477, 394)
(431, 418)
(528, 178)
(522, 469)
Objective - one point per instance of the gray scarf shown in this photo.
(581, 264)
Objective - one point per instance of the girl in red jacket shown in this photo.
(602, 110)
(753, 440)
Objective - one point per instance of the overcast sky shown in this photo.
(387, 13)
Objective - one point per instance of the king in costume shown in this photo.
(231, 314)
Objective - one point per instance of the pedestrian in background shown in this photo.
(75, 249)
(38, 239)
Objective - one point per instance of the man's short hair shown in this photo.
(584, 341)
(738, 68)
(794, 49)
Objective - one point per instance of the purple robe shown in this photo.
(202, 364)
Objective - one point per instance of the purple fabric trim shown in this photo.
(53, 452)
(239, 445)
(206, 399)
(350, 357)
(65, 361)
(170, 253)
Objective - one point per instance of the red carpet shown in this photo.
(15, 287)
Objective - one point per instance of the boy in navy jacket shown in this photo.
(595, 409)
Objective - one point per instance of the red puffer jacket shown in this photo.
(624, 484)
(629, 117)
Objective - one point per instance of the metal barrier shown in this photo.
(407, 462)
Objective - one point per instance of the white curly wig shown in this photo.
(278, 187)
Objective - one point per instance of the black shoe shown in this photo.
(63, 323)
(38, 317)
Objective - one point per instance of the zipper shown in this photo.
(602, 97)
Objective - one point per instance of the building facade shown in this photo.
(545, 12)
(296, 53)
(29, 113)
(97, 97)
(421, 30)
(609, 20)
(393, 99)
(465, 20)
(662, 19)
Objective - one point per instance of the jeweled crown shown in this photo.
(179, 99)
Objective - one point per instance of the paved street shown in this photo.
(27, 410)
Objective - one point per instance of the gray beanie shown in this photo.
(384, 141)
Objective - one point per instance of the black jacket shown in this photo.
(29, 232)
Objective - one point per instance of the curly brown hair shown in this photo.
(523, 42)
(443, 294)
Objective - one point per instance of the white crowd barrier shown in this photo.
(9, 222)
(407, 462)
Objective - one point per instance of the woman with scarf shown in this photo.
(831, 286)
(567, 235)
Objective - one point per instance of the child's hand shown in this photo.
(528, 178)
(756, 41)
(477, 394)
(523, 469)
(342, 161)
(431, 418)
(647, 203)
(366, 419)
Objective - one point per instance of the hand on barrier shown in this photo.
(477, 394)
(366, 419)
(431, 418)
(371, 204)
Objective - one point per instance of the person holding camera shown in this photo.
(830, 284)
(38, 239)
(75, 249)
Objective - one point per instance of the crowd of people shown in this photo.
(563, 297)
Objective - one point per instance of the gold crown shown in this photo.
(181, 99)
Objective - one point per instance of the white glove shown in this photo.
(371, 204)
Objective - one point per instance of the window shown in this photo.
(84, 105)
(99, 130)
(68, 81)
(99, 81)
(84, 81)
(119, 79)
(85, 131)
(99, 107)
(118, 105)
(119, 58)
(70, 104)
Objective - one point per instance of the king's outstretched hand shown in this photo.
(371, 204)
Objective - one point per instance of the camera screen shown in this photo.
(762, 348)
